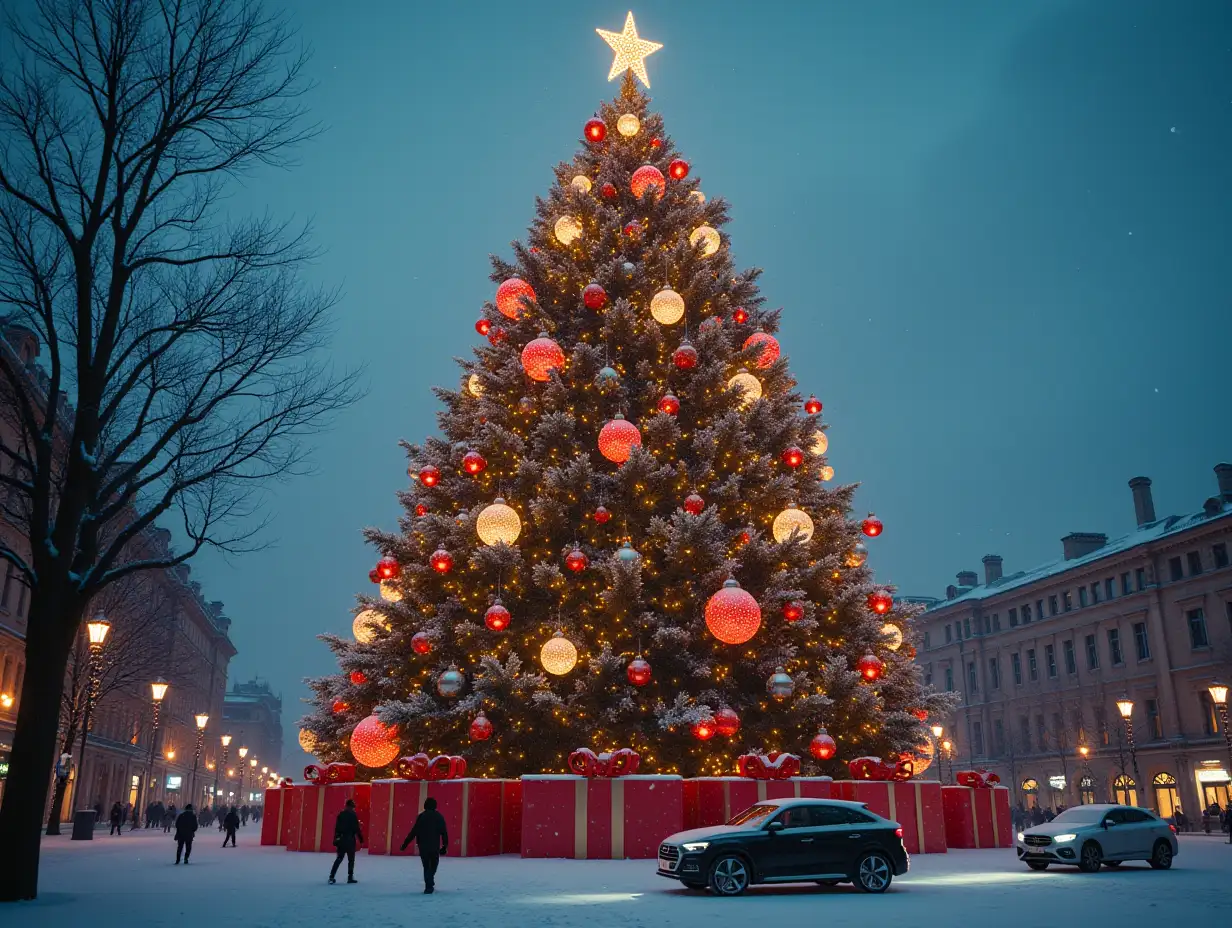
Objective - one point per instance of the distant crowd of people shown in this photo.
(1214, 819)
(229, 818)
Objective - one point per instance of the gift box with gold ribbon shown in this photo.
(483, 816)
(977, 817)
(714, 800)
(914, 804)
(599, 818)
(314, 809)
(277, 805)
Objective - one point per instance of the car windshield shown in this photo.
(1081, 814)
(754, 815)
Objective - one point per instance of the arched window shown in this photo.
(1125, 791)
(1030, 793)
(1086, 791)
(1167, 799)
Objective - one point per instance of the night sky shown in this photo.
(996, 230)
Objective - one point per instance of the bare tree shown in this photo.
(187, 342)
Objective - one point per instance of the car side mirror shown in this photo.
(774, 827)
(1106, 823)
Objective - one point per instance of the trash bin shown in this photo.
(83, 824)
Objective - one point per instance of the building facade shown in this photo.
(1042, 656)
(253, 717)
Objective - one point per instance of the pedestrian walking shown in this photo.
(185, 828)
(244, 814)
(346, 834)
(169, 818)
(117, 819)
(432, 838)
(230, 821)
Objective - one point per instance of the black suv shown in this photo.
(788, 841)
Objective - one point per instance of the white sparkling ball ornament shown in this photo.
(709, 239)
(366, 626)
(893, 636)
(498, 523)
(473, 385)
(567, 229)
(667, 307)
(558, 655)
(791, 520)
(750, 385)
(628, 125)
(697, 196)
(819, 443)
(580, 183)
(390, 592)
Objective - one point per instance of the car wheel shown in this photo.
(1037, 864)
(1090, 858)
(1161, 856)
(729, 875)
(691, 884)
(1112, 864)
(874, 872)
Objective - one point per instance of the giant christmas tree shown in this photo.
(624, 536)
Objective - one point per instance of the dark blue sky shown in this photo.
(997, 230)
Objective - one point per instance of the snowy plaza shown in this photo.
(132, 880)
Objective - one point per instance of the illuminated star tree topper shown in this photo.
(631, 50)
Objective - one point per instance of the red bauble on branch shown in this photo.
(921, 714)
(608, 190)
(339, 707)
(441, 561)
(793, 610)
(704, 729)
(576, 560)
(678, 169)
(429, 476)
(740, 315)
(374, 576)
(374, 744)
(823, 747)
(594, 296)
(694, 504)
(646, 178)
(769, 346)
(732, 614)
(497, 617)
(541, 356)
(421, 510)
(388, 569)
(483, 326)
(481, 728)
(812, 405)
(618, 438)
(509, 296)
(633, 229)
(685, 357)
(595, 130)
(871, 526)
(358, 678)
(474, 463)
(669, 404)
(870, 667)
(726, 722)
(602, 515)
(656, 142)
(880, 602)
(793, 456)
(421, 643)
(497, 335)
(638, 671)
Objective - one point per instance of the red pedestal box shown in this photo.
(483, 816)
(318, 808)
(977, 818)
(914, 804)
(714, 800)
(600, 818)
(277, 804)
(292, 806)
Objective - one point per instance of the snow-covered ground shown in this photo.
(132, 882)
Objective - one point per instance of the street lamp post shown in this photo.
(938, 731)
(226, 745)
(202, 720)
(243, 772)
(97, 630)
(1219, 696)
(252, 779)
(947, 753)
(158, 689)
(1125, 706)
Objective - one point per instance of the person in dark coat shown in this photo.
(244, 814)
(433, 840)
(230, 821)
(346, 834)
(117, 819)
(185, 828)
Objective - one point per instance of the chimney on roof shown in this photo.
(1080, 544)
(968, 578)
(1144, 506)
(992, 568)
(1223, 473)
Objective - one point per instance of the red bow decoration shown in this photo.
(421, 767)
(977, 779)
(772, 766)
(286, 782)
(874, 768)
(586, 763)
(337, 772)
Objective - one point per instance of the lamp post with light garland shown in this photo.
(96, 631)
(1219, 696)
(158, 690)
(1125, 706)
(221, 768)
(202, 719)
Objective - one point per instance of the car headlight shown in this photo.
(695, 846)
(1062, 838)
(1021, 836)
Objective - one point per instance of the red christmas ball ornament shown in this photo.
(793, 456)
(618, 438)
(871, 526)
(769, 352)
(669, 404)
(704, 729)
(497, 617)
(374, 576)
(474, 463)
(633, 229)
(638, 671)
(645, 178)
(421, 643)
(483, 326)
(694, 504)
(509, 296)
(812, 405)
(732, 614)
(921, 714)
(678, 169)
(726, 722)
(685, 357)
(576, 560)
(374, 744)
(429, 476)
(441, 561)
(608, 190)
(358, 678)
(880, 602)
(339, 707)
(497, 335)
(602, 515)
(481, 728)
(388, 569)
(594, 296)
(793, 610)
(740, 315)
(870, 667)
(540, 357)
(421, 510)
(656, 142)
(823, 747)
(595, 130)
(744, 537)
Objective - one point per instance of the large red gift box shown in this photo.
(315, 809)
(714, 800)
(914, 804)
(277, 804)
(483, 817)
(977, 818)
(599, 818)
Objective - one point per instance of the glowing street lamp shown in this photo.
(97, 630)
(226, 745)
(158, 691)
(1219, 696)
(202, 719)
(1125, 706)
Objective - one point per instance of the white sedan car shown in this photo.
(1090, 836)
